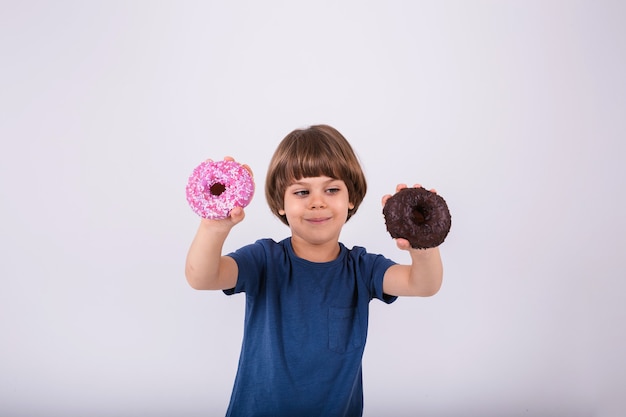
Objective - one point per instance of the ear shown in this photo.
(281, 212)
(351, 206)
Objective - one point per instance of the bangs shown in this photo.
(315, 159)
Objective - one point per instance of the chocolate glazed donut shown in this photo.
(419, 216)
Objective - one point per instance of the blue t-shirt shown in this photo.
(305, 330)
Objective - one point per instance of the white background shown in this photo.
(514, 110)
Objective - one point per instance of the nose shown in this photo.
(317, 200)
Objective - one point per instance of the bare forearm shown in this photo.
(202, 267)
(426, 273)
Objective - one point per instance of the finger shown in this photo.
(417, 186)
(247, 167)
(385, 198)
(236, 214)
(400, 187)
(403, 244)
(229, 158)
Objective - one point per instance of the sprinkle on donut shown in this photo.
(216, 187)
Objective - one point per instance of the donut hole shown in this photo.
(420, 215)
(217, 189)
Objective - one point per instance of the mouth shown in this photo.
(318, 220)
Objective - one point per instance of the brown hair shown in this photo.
(319, 150)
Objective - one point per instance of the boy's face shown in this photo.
(316, 209)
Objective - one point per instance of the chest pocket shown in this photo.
(345, 331)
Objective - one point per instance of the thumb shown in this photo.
(237, 214)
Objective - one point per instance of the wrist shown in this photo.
(215, 228)
(424, 253)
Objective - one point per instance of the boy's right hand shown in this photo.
(235, 216)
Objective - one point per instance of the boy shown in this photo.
(307, 296)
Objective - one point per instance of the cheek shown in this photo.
(291, 206)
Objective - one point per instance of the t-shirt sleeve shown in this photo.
(373, 269)
(377, 283)
(251, 260)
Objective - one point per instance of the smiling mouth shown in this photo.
(318, 220)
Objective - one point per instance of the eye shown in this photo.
(301, 193)
(333, 190)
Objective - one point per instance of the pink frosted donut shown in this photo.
(216, 187)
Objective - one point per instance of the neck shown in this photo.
(315, 253)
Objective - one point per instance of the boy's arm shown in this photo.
(422, 278)
(205, 267)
